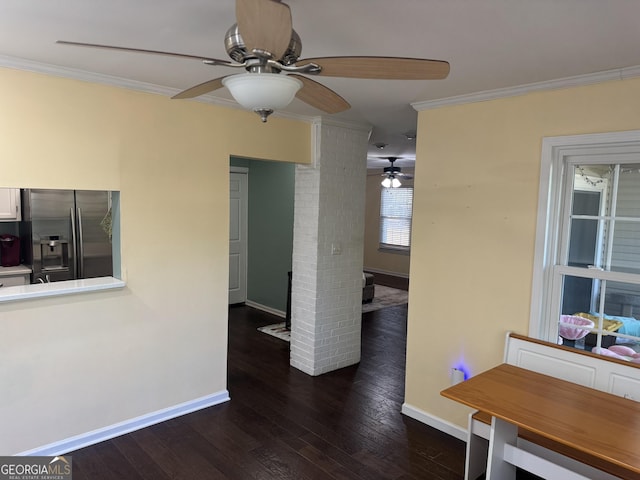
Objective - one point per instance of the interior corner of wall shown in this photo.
(316, 132)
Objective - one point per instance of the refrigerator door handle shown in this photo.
(74, 242)
(80, 246)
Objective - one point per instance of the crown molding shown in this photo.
(83, 75)
(282, 114)
(113, 81)
(567, 82)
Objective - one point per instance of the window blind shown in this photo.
(395, 217)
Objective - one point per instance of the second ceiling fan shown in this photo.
(264, 43)
(392, 174)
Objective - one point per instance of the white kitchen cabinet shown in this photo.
(13, 280)
(12, 276)
(10, 205)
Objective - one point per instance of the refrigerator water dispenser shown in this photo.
(54, 254)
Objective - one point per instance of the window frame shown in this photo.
(389, 247)
(558, 156)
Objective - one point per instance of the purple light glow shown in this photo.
(460, 365)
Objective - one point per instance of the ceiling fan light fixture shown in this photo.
(262, 92)
(390, 182)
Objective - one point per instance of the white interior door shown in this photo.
(238, 237)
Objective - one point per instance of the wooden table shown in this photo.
(593, 422)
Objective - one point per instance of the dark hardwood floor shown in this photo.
(284, 424)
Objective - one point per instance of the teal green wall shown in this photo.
(270, 224)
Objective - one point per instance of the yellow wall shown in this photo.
(69, 365)
(474, 224)
(374, 258)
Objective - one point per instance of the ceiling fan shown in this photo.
(392, 174)
(264, 43)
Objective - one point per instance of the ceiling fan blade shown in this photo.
(201, 89)
(320, 97)
(213, 61)
(264, 25)
(389, 68)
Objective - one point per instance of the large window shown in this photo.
(589, 279)
(395, 218)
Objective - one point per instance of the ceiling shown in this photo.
(490, 44)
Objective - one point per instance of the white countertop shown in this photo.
(25, 292)
(17, 270)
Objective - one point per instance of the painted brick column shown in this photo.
(326, 308)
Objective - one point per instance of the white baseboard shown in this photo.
(96, 436)
(264, 308)
(435, 422)
(386, 272)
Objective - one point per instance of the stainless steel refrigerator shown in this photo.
(66, 234)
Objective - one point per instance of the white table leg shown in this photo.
(477, 448)
(501, 433)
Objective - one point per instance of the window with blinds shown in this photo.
(395, 218)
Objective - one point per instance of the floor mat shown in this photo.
(386, 297)
(277, 330)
